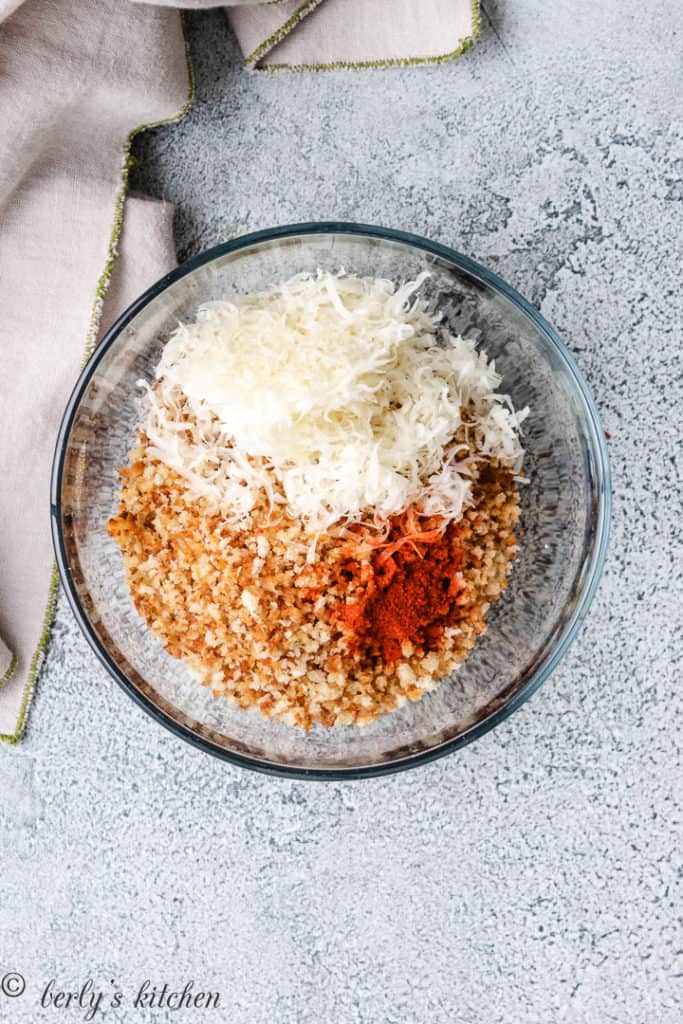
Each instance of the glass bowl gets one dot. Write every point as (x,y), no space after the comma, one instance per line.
(565,505)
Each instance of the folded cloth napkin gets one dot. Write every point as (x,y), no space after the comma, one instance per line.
(78,81)
(353,33)
(347,33)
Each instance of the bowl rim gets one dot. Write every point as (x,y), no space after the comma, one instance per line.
(602,486)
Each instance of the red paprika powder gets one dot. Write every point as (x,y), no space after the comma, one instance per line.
(413,593)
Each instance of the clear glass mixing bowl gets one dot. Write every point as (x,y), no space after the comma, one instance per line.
(565,505)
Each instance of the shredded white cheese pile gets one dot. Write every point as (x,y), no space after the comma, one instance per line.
(335,394)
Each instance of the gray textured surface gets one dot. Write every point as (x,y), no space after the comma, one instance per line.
(532,877)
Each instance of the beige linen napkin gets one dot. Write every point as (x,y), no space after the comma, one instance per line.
(77,82)
(353,33)
(347,33)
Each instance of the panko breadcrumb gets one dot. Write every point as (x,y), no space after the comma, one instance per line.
(254,617)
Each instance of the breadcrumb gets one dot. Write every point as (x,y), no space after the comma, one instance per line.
(253,617)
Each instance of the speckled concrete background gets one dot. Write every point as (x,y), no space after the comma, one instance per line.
(530,878)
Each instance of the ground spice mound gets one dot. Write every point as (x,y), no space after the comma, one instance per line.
(413,594)
(341,640)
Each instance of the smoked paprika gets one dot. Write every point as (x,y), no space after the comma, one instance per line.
(413,593)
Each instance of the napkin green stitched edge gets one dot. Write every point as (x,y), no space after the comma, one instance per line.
(10,671)
(279,34)
(309,5)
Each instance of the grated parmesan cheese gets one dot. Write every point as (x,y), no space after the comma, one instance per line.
(334,395)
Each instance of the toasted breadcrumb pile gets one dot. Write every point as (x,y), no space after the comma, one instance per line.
(256,620)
